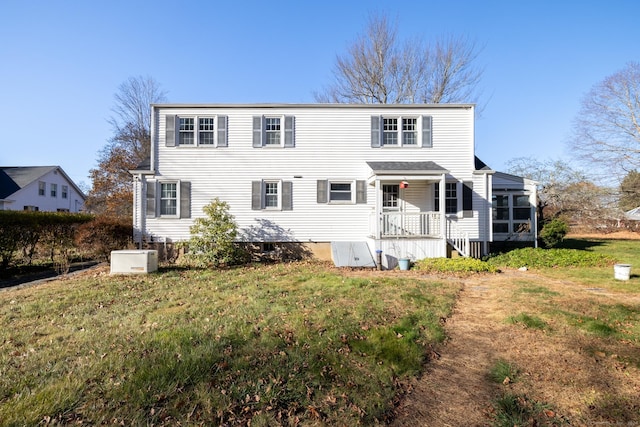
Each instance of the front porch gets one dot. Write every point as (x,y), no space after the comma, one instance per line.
(409,220)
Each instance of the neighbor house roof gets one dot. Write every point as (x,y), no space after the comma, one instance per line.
(14,178)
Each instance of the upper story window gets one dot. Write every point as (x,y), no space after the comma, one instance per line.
(206,129)
(273,131)
(196,131)
(42,188)
(186,131)
(399,131)
(65,191)
(410,131)
(390,131)
(54,190)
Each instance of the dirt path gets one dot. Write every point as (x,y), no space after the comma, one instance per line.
(584,380)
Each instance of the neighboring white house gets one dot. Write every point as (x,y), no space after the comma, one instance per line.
(401,179)
(39,188)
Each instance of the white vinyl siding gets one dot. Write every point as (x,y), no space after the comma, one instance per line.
(331,144)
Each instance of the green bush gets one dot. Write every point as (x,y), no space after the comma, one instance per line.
(548,258)
(212,242)
(553,232)
(454,265)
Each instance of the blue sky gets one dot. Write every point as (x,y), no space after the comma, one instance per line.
(61,63)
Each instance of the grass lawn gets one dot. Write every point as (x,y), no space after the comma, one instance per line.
(270,344)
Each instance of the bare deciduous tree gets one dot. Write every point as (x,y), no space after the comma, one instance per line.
(606,132)
(379,69)
(111,191)
(564,191)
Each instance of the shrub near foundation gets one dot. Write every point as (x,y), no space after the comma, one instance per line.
(454,265)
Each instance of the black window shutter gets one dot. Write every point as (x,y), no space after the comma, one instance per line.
(436,197)
(257,131)
(361,191)
(256,195)
(467,199)
(170,130)
(151,199)
(427,137)
(322,194)
(289,134)
(222,131)
(185,199)
(375,131)
(287,196)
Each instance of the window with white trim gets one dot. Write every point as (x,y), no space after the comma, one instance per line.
(42,188)
(272,131)
(401,131)
(340,192)
(65,191)
(271,194)
(168,198)
(196,131)
(206,130)
(54,190)
(186,131)
(409,131)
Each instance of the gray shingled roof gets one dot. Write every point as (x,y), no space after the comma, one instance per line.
(404,167)
(15,178)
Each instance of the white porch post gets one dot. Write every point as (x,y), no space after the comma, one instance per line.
(443,213)
(378,209)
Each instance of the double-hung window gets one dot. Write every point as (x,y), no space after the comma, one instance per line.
(409,131)
(401,131)
(206,129)
(273,131)
(65,192)
(272,194)
(196,131)
(390,131)
(186,131)
(168,198)
(54,190)
(42,188)
(451,197)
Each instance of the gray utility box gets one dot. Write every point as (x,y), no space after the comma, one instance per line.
(134,261)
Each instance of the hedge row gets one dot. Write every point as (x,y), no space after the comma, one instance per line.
(59,234)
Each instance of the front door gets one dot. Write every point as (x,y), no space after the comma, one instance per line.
(392,210)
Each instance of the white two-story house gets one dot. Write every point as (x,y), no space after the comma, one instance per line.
(347,181)
(39,188)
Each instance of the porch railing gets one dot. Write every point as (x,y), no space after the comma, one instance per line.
(423,224)
(410,224)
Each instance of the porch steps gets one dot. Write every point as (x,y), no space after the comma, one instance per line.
(352,254)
